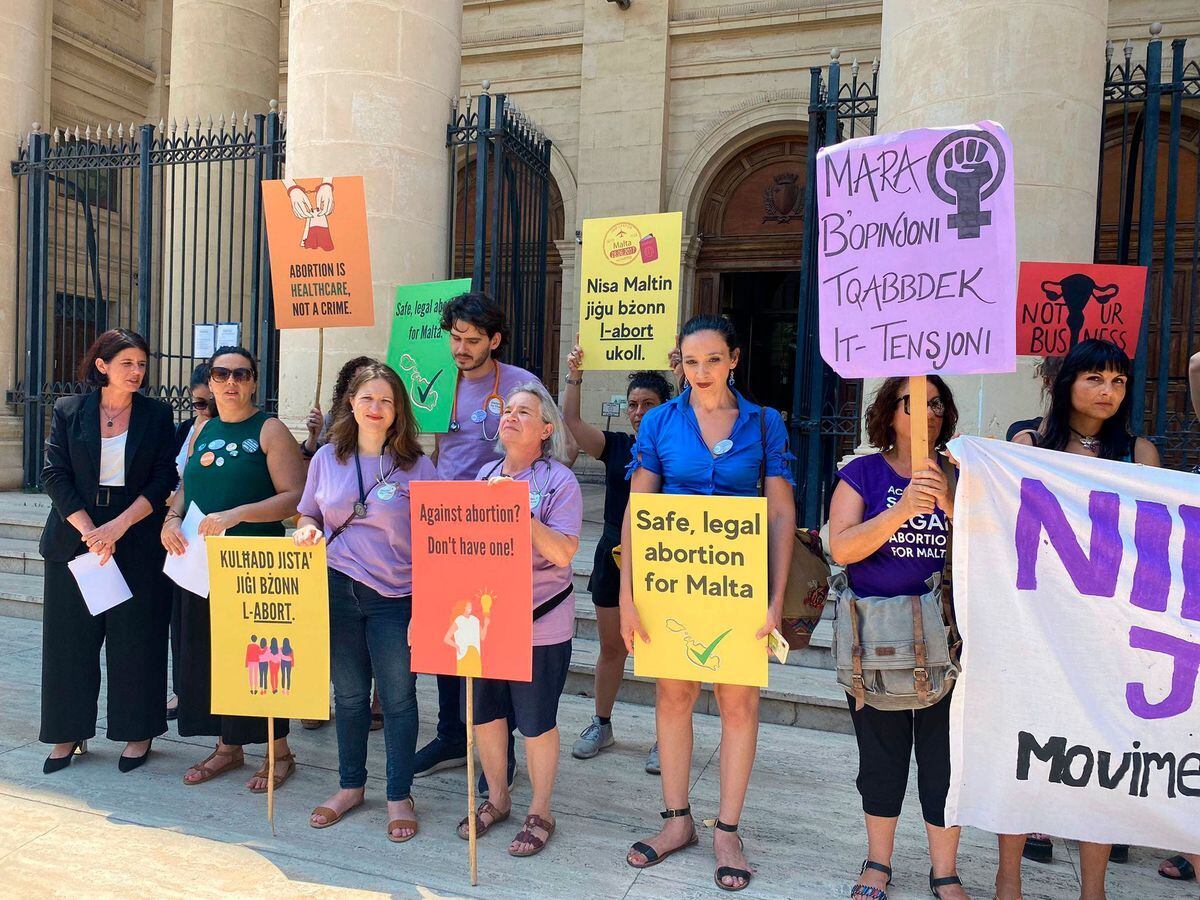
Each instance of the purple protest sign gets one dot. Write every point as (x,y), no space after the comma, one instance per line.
(916,245)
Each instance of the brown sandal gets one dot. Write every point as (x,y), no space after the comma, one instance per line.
(404,823)
(331,817)
(484,809)
(236,758)
(525,836)
(288,761)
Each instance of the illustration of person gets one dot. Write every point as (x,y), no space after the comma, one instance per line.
(287,659)
(274,657)
(263,662)
(466,634)
(315,212)
(252,663)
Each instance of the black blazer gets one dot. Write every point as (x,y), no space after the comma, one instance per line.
(71,476)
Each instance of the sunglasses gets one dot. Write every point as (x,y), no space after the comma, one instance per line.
(936,406)
(220,374)
(200,403)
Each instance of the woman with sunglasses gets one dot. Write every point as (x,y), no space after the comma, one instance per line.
(356,499)
(1088,416)
(888,523)
(245,473)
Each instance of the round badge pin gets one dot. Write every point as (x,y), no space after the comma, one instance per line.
(249,445)
(360,509)
(535,500)
(478,416)
(220,462)
(233,453)
(217,444)
(454,427)
(386,492)
(495,407)
(722,447)
(231,446)
(207,458)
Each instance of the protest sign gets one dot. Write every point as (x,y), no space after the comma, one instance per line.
(629,290)
(700,587)
(320,257)
(916,253)
(1061,304)
(419,350)
(473,570)
(1077,590)
(269,602)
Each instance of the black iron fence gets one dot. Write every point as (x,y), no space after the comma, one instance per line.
(1147,214)
(499,172)
(150,228)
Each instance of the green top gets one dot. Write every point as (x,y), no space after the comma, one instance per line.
(228,468)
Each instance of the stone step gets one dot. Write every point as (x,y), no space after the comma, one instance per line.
(19,557)
(802,696)
(21,596)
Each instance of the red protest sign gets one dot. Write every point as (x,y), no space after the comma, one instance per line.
(1061,304)
(472,579)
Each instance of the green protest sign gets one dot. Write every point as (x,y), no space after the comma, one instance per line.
(419,350)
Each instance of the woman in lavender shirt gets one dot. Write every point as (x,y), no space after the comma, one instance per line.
(357,499)
(532,437)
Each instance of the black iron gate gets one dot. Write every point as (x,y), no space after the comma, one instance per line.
(826,409)
(147,228)
(499,171)
(1147,214)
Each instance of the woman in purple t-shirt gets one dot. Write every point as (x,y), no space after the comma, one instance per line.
(533,440)
(889,523)
(356,498)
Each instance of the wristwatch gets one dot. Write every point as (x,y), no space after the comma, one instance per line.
(575,381)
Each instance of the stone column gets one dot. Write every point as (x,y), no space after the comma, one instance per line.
(22,83)
(370,83)
(224,57)
(949,62)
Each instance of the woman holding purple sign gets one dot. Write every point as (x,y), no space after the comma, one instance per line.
(889,521)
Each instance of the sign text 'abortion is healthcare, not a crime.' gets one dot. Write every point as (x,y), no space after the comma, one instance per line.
(473,570)
(700,587)
(1077,590)
(916,249)
(269,605)
(629,290)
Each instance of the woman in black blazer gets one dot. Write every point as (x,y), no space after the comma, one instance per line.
(109,469)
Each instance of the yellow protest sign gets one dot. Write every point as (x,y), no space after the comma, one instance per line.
(700,587)
(269,605)
(629,290)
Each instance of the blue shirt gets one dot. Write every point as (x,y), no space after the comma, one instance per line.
(670,445)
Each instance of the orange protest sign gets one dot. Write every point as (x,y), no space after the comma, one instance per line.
(320,257)
(473,579)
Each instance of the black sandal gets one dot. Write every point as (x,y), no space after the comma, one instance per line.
(1038,849)
(1182,865)
(730,871)
(935,883)
(653,857)
(868,891)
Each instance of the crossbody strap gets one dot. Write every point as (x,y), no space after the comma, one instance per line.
(920,673)
(856,654)
(553,602)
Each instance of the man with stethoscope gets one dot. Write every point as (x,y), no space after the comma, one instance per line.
(477,330)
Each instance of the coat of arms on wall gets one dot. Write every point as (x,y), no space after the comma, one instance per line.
(783,199)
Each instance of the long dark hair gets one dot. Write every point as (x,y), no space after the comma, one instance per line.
(106,347)
(401,440)
(1092,355)
(882,411)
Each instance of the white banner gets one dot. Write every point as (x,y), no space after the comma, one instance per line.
(1077,589)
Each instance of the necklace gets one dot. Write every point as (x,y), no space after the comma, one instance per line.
(110,417)
(1089,444)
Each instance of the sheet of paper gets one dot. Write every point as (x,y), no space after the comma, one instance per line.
(203,339)
(190,571)
(229,334)
(102,586)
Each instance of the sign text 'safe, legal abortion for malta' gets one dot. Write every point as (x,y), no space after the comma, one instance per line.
(1077,588)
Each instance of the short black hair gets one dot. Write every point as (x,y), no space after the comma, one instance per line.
(106,347)
(478,309)
(650,381)
(199,376)
(240,351)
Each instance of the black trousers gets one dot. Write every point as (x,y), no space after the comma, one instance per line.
(176,604)
(886,741)
(195,683)
(134,635)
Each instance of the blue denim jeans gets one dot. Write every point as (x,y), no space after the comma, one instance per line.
(368,634)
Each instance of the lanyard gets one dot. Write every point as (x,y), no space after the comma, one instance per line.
(536,491)
(494,395)
(360,505)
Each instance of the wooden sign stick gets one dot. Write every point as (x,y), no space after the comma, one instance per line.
(471,780)
(271,772)
(918,405)
(320,363)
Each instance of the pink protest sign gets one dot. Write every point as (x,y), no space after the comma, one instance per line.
(916,246)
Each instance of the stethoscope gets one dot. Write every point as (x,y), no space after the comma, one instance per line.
(536,491)
(493,404)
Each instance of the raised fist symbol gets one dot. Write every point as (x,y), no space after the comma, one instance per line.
(962,162)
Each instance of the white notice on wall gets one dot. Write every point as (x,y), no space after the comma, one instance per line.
(204,336)
(229,334)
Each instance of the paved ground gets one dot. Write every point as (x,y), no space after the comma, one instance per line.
(91,831)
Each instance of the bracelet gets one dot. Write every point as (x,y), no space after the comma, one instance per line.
(296,187)
(575,381)
(323,183)
(171,514)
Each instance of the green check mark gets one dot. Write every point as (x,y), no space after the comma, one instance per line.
(702,658)
(423,394)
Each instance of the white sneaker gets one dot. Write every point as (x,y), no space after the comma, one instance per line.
(652,761)
(593,739)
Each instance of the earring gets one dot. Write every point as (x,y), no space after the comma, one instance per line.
(731,377)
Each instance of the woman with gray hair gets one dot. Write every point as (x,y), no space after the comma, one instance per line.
(532,441)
